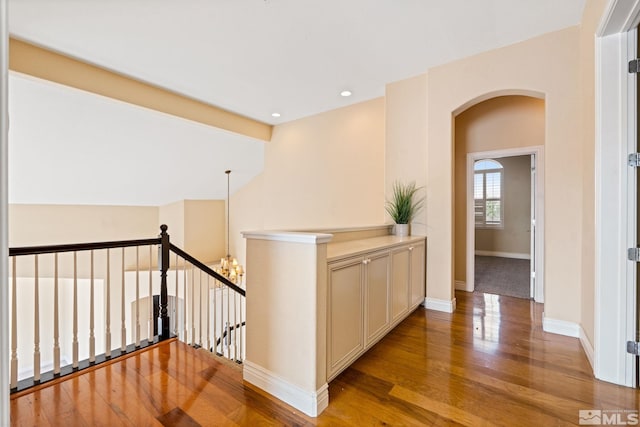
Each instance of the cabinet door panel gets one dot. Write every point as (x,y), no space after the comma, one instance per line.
(346,334)
(417,274)
(377,296)
(399,283)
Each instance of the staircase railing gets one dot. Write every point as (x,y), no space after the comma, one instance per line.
(213,326)
(74,306)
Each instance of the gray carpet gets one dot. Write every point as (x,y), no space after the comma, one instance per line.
(502,276)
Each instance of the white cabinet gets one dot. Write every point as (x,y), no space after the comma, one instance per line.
(368,294)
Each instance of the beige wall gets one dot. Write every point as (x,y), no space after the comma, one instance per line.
(515,236)
(591,17)
(197,226)
(495,124)
(56,224)
(173,216)
(546,66)
(246,208)
(204,226)
(323,171)
(406,138)
(293,351)
(329,170)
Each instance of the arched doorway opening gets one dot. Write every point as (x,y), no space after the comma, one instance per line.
(508,130)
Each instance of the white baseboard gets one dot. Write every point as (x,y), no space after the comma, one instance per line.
(503,254)
(587,346)
(309,402)
(440,304)
(560,327)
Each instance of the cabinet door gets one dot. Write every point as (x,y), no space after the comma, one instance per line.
(377,319)
(345,339)
(418,263)
(399,282)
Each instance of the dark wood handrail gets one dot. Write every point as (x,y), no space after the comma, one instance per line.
(206,269)
(77,247)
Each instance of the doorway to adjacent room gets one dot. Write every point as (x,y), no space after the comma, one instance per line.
(503,216)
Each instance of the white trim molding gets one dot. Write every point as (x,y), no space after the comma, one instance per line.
(586,346)
(615,216)
(447,306)
(311,403)
(512,255)
(4,202)
(560,327)
(569,329)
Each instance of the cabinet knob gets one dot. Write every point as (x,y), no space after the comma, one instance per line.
(410,248)
(366,260)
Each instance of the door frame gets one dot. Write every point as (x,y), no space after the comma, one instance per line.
(4,209)
(615,193)
(538,152)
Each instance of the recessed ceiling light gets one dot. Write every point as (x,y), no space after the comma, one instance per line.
(275,114)
(345,93)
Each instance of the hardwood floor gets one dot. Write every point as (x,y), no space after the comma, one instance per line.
(487,364)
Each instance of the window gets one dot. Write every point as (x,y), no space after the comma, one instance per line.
(487,193)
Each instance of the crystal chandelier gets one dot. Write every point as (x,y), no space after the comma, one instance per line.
(229,266)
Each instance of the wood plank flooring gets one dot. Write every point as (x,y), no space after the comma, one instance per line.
(489,363)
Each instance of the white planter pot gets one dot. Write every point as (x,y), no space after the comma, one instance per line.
(401,230)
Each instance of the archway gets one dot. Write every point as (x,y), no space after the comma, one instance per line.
(501,125)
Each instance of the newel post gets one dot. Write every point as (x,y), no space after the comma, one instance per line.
(163,321)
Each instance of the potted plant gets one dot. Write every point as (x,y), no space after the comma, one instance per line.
(402,207)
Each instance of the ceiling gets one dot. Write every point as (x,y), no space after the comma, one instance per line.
(257,57)
(253,57)
(68,146)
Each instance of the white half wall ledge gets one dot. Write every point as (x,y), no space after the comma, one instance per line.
(446,306)
(560,327)
(288,236)
(312,403)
